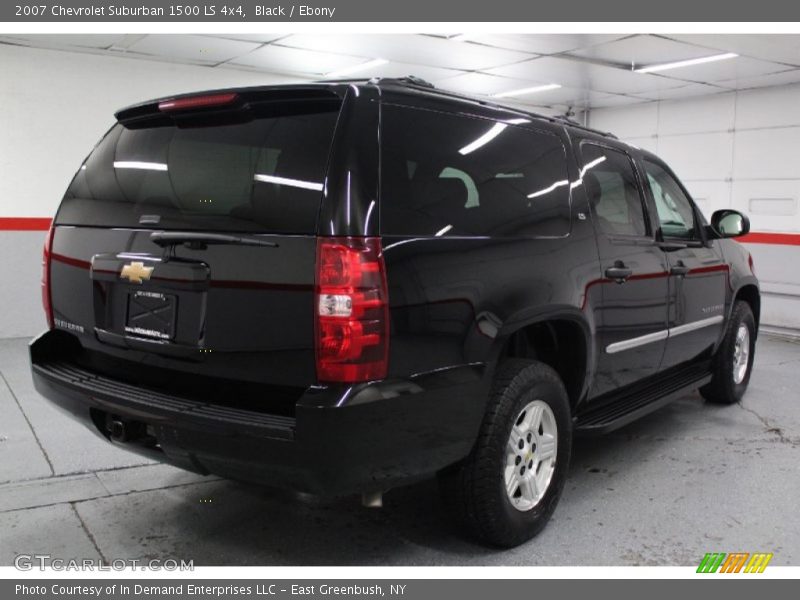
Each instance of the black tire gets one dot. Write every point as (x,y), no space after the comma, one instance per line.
(474,490)
(723,388)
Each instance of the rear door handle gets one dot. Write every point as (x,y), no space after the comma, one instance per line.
(619,272)
(679,269)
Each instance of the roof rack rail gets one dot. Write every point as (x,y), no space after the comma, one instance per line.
(421,83)
(567,119)
(573,123)
(407,80)
(343,80)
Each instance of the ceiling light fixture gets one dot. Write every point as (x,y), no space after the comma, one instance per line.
(592,164)
(298,183)
(530,90)
(356,68)
(549,189)
(443,230)
(138,164)
(487,137)
(686,63)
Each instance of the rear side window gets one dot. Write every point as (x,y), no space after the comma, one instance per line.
(449,175)
(263,175)
(613,193)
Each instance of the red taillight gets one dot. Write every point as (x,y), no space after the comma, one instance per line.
(207,101)
(352,310)
(46,253)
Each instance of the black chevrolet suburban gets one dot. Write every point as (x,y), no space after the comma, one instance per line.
(345,287)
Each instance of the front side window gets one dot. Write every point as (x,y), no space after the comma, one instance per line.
(675,213)
(450,175)
(613,193)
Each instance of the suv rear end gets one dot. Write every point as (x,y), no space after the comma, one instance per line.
(217,297)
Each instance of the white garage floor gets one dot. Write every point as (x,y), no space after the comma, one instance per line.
(689,479)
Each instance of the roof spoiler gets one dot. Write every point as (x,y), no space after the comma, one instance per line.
(215,103)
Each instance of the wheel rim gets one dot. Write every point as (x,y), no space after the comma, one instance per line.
(741,353)
(530,455)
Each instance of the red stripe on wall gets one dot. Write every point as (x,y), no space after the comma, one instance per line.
(782,239)
(756,237)
(24,223)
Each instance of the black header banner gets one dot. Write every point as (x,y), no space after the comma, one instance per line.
(454,11)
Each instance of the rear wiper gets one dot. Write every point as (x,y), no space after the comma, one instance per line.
(199,240)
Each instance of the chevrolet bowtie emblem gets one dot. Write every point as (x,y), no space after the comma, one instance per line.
(136,272)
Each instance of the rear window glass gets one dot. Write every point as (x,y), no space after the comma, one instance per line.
(262,175)
(449,175)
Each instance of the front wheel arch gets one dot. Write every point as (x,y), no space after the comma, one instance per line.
(749,293)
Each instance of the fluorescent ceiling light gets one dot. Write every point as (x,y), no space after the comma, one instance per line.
(487,137)
(530,90)
(586,167)
(356,68)
(136,164)
(686,63)
(548,189)
(443,230)
(298,183)
(592,164)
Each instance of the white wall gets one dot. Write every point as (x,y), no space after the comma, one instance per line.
(54,106)
(739,150)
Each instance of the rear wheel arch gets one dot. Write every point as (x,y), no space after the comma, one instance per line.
(561,341)
(484,492)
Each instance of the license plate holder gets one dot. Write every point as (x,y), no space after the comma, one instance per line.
(151,315)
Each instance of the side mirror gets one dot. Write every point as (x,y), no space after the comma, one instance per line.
(729,223)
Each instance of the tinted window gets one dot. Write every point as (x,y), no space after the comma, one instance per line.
(262,175)
(610,184)
(675,213)
(451,175)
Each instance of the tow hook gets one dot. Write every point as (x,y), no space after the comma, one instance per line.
(120,430)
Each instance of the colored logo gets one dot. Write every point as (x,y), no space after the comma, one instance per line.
(735,562)
(136,272)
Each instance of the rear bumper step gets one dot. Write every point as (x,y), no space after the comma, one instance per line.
(132,400)
(341,439)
